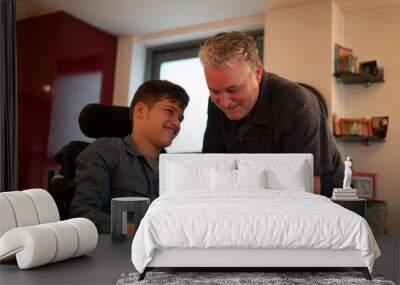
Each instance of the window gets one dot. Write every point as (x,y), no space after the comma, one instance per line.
(180,64)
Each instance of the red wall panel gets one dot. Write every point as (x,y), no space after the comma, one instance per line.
(49,47)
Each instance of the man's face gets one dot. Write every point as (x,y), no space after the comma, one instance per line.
(234,89)
(161,123)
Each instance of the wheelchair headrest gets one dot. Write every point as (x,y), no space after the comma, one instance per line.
(97,120)
(319,96)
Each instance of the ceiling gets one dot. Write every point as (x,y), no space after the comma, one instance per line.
(137,17)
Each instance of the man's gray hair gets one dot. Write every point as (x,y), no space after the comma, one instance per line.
(225,49)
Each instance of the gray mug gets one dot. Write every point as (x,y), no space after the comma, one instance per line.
(123,207)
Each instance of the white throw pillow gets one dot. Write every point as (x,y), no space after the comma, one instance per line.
(292,179)
(235,179)
(185,177)
(251,178)
(223,179)
(280,174)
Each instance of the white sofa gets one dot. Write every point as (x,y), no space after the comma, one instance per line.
(31,231)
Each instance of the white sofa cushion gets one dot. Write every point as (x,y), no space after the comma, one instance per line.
(26,208)
(87,235)
(45,206)
(66,237)
(24,211)
(40,244)
(34,244)
(7,220)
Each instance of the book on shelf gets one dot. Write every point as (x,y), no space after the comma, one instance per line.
(341,190)
(345,194)
(345,61)
(335,197)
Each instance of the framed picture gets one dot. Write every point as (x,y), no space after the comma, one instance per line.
(355,127)
(365,183)
(379,126)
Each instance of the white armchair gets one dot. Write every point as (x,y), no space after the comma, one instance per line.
(31,230)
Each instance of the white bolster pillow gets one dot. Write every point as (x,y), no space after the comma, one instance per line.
(26,208)
(40,244)
(87,235)
(22,207)
(7,218)
(45,205)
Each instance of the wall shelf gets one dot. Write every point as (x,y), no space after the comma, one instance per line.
(358,78)
(363,139)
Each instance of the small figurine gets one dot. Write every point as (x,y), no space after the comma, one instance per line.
(347,173)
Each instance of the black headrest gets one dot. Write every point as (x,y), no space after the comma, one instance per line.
(67,155)
(318,95)
(97,120)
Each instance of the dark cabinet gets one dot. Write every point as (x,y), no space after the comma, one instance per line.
(357,206)
(62,64)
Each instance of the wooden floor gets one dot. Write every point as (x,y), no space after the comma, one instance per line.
(389,262)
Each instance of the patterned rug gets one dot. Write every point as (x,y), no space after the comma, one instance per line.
(243,278)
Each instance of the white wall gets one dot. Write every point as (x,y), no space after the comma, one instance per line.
(338,91)
(376,35)
(297,45)
(123,70)
(21,10)
(134,49)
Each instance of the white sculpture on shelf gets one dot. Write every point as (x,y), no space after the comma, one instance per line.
(346,193)
(347,173)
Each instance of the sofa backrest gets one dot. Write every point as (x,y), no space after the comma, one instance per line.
(26,208)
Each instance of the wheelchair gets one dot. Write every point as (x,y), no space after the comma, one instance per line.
(95,121)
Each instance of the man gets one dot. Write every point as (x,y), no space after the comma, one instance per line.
(118,167)
(252,111)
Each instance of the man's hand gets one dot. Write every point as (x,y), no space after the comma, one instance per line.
(317,185)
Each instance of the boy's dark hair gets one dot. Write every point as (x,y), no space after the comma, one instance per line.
(153,91)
